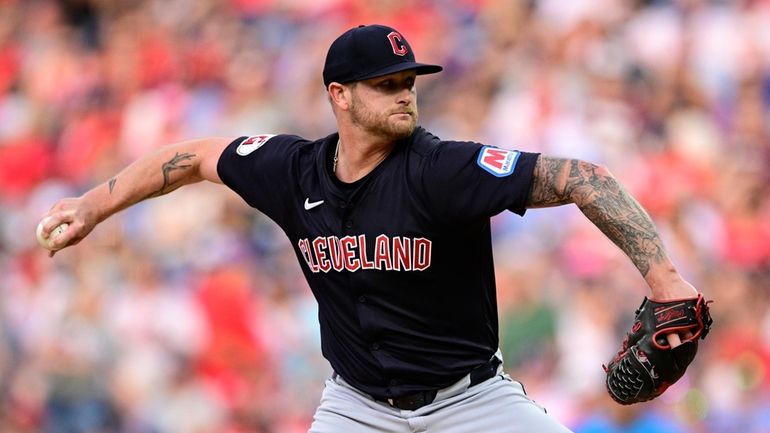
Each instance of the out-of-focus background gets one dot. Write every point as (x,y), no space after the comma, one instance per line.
(188,313)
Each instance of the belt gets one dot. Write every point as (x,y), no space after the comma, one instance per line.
(419,399)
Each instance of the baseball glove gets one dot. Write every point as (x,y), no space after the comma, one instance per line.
(646,364)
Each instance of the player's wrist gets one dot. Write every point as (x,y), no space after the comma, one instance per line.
(94,206)
(676,290)
(666,283)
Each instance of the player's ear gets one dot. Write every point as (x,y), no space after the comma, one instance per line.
(339,95)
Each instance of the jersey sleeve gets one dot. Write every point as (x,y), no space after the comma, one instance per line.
(258,168)
(465,180)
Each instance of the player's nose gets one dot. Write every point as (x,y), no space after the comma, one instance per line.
(405,96)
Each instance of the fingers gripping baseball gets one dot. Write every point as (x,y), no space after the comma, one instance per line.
(66,224)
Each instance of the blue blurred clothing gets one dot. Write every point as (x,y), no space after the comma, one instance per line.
(647,422)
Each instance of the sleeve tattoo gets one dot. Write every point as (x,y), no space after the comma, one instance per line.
(604,201)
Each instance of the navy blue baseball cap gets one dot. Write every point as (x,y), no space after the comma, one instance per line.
(371,51)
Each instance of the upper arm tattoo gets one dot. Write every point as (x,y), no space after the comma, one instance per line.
(603,200)
(548,182)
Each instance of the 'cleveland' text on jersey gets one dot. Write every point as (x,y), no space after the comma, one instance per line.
(324,254)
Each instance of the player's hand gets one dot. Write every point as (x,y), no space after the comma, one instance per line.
(77,213)
(679,290)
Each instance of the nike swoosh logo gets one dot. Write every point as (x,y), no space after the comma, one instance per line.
(309,205)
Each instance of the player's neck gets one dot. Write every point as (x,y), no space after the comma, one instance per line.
(357,155)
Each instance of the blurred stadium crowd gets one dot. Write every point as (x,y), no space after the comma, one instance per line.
(188,313)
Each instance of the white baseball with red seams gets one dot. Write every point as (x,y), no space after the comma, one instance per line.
(45,242)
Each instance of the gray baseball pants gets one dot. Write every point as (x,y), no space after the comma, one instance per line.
(498,405)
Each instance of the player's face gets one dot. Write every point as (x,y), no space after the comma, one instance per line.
(386,106)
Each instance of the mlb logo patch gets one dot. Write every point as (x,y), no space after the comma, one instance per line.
(250,144)
(498,162)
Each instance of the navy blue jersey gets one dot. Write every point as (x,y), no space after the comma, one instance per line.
(400,261)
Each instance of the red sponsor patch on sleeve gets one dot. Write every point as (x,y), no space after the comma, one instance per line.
(498,162)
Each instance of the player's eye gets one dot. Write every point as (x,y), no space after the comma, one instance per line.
(395,86)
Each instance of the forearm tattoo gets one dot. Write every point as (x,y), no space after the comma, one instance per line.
(604,201)
(112,183)
(175,163)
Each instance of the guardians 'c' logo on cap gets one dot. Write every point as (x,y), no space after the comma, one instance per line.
(396,41)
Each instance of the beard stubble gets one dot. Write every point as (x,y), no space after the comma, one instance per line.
(379,124)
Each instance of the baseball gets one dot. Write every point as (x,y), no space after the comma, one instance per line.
(45,242)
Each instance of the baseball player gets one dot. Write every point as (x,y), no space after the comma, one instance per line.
(391,227)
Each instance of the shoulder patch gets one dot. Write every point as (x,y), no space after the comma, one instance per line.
(498,162)
(250,144)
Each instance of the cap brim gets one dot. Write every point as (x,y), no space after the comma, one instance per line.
(420,68)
